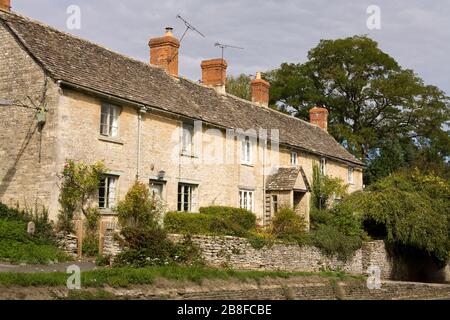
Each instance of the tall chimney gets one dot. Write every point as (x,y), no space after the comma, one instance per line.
(319,117)
(214,73)
(260,90)
(5,5)
(164,52)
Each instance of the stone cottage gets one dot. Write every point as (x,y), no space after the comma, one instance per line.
(62,97)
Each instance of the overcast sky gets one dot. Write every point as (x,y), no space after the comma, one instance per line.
(416,33)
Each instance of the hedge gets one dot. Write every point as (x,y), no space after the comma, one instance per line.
(212,221)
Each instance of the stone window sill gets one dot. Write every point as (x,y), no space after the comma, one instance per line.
(250,165)
(107,212)
(111,140)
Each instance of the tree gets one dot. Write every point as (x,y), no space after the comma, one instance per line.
(371,99)
(78,189)
(239,86)
(409,210)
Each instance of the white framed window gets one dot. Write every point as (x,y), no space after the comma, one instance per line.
(323,166)
(187,198)
(187,139)
(350,177)
(274,204)
(109,120)
(247,151)
(107,192)
(157,189)
(246,199)
(294,160)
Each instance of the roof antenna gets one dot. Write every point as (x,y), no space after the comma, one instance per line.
(188,27)
(226,46)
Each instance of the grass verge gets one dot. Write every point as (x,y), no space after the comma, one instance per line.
(124,277)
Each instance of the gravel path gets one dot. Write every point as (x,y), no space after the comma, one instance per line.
(57,267)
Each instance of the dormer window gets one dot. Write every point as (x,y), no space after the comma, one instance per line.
(109,120)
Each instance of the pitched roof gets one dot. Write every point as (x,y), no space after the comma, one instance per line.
(286,179)
(80,62)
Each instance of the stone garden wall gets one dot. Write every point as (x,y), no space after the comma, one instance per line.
(238,253)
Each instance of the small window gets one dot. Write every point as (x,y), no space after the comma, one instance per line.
(246,199)
(323,166)
(294,159)
(247,152)
(188,139)
(187,197)
(156,190)
(274,204)
(107,192)
(350,175)
(109,120)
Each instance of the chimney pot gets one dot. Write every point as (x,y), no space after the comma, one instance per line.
(164,52)
(319,116)
(214,73)
(260,90)
(5,5)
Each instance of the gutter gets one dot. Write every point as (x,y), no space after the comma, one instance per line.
(179,115)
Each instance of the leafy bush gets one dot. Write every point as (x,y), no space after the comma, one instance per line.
(331,241)
(410,209)
(288,225)
(244,218)
(145,241)
(138,209)
(212,221)
(324,188)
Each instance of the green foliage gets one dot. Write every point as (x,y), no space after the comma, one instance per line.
(325,188)
(372,101)
(124,277)
(288,225)
(145,241)
(17,246)
(412,210)
(244,218)
(239,86)
(138,209)
(331,241)
(212,221)
(78,188)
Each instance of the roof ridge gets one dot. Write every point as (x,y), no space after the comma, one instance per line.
(54,29)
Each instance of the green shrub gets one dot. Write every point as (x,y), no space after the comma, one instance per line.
(242,217)
(331,241)
(288,225)
(212,221)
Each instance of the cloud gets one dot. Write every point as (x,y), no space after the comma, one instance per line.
(414,32)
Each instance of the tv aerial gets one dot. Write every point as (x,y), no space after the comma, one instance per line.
(226,46)
(188,27)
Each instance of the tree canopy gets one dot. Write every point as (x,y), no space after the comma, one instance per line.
(377,108)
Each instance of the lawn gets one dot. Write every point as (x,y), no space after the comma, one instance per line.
(124,277)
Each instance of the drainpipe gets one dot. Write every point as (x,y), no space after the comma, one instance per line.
(140,111)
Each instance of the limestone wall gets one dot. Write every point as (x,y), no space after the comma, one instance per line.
(238,253)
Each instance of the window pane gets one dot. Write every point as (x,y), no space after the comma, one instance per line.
(111,192)
(104,122)
(101,194)
(180,197)
(114,128)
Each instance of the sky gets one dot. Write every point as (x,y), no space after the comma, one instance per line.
(416,33)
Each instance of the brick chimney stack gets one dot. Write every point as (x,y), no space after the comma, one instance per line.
(164,52)
(5,5)
(319,117)
(260,90)
(214,74)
